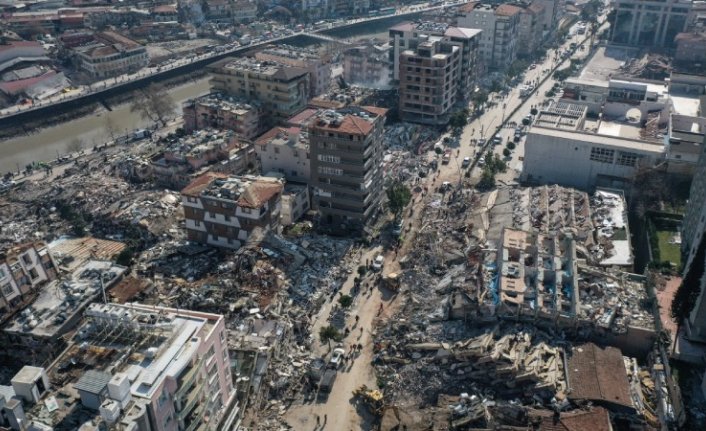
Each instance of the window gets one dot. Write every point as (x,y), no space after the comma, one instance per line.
(329,158)
(7,289)
(246,210)
(214,237)
(602,155)
(26,259)
(627,159)
(197,222)
(330,171)
(226,217)
(33,273)
(2,273)
(276,150)
(190,199)
(223,336)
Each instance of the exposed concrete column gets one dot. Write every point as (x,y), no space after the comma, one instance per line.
(667,16)
(659,30)
(639,29)
(632,28)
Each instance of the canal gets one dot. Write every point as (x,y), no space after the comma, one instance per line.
(49,142)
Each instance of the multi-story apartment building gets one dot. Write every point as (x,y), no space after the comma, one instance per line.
(649,22)
(281,90)
(225,211)
(500,26)
(110,54)
(428,81)
(407,36)
(243,10)
(24,269)
(167,370)
(346,173)
(316,63)
(285,150)
(694,249)
(530,29)
(221,111)
(368,64)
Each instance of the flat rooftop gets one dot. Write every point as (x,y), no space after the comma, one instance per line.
(631,144)
(225,102)
(607,62)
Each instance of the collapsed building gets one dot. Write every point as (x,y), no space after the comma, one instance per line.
(220,111)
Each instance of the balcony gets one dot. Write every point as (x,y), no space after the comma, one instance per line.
(191,401)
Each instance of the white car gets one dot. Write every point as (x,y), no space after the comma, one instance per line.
(336,358)
(466,162)
(378,262)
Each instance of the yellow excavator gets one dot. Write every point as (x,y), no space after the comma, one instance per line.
(373,398)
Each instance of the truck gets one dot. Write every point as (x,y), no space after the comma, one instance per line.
(446,157)
(327,381)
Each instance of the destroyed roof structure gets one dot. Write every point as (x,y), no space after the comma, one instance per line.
(598,374)
(221,111)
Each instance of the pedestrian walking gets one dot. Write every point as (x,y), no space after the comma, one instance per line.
(325,419)
(318,420)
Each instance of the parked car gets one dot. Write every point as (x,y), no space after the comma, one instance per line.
(446,157)
(336,358)
(378,262)
(466,162)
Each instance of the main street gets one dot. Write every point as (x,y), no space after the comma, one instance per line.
(339,411)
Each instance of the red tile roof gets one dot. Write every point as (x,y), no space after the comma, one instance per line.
(598,374)
(507,10)
(258,193)
(596,419)
(201,183)
(270,134)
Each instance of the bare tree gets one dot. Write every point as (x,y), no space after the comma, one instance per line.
(110,128)
(75,145)
(156,104)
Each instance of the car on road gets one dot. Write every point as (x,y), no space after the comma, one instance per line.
(532,66)
(481,161)
(446,158)
(336,358)
(466,162)
(497,140)
(378,262)
(326,382)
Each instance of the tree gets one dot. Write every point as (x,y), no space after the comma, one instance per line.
(487,180)
(156,105)
(510,145)
(328,333)
(534,111)
(525,121)
(506,152)
(459,119)
(75,145)
(398,196)
(110,128)
(479,99)
(561,75)
(345,301)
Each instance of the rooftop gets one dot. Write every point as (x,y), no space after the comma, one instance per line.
(626,143)
(225,102)
(292,52)
(352,119)
(436,29)
(562,115)
(598,374)
(267,68)
(58,302)
(200,142)
(248,191)
(292,136)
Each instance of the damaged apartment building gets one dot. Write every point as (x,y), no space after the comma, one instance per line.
(227,211)
(220,111)
(134,367)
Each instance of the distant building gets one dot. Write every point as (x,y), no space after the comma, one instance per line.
(316,63)
(530,31)
(285,150)
(407,35)
(295,203)
(428,77)
(500,25)
(658,27)
(160,369)
(368,65)
(282,90)
(189,157)
(23,271)
(243,11)
(18,53)
(227,211)
(691,48)
(109,54)
(346,174)
(585,155)
(220,111)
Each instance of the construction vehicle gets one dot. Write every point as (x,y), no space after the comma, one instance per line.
(373,398)
(391,281)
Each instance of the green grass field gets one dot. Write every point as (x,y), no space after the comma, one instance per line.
(667,250)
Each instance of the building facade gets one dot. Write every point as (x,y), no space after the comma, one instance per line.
(220,111)
(226,211)
(368,64)
(316,63)
(690,48)
(110,54)
(428,82)
(23,270)
(406,36)
(281,90)
(649,22)
(500,28)
(346,174)
(530,29)
(285,151)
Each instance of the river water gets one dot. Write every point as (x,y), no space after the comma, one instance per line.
(49,142)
